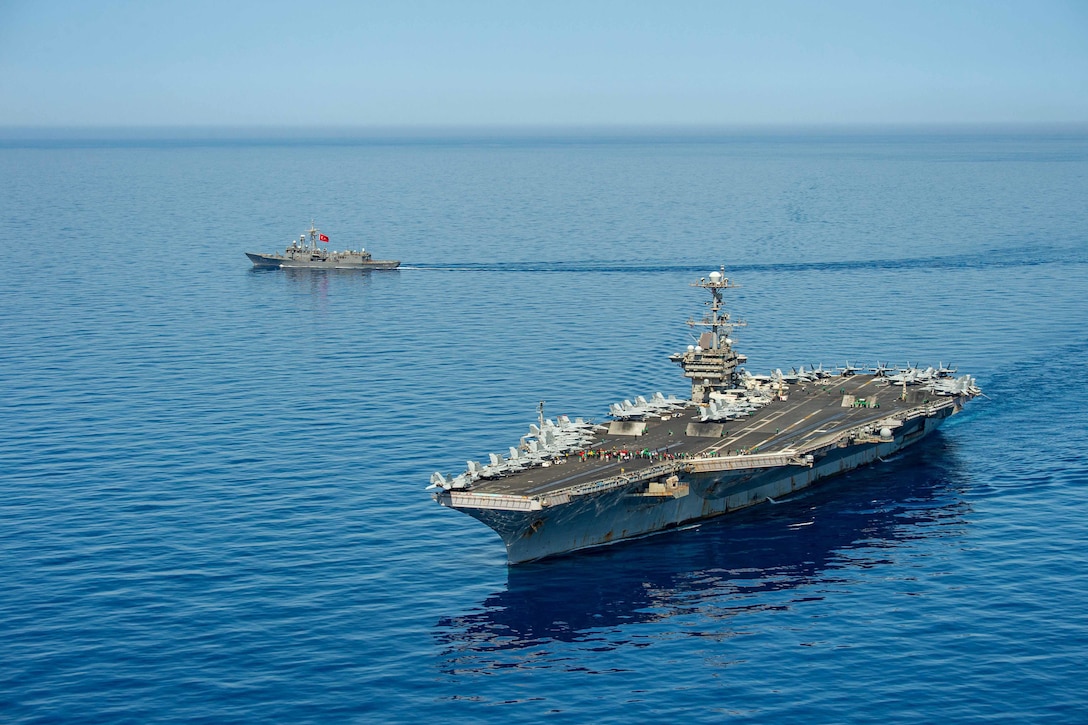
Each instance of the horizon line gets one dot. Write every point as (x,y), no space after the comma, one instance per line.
(424,130)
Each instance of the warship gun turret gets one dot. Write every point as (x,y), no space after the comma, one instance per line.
(660,462)
(308,252)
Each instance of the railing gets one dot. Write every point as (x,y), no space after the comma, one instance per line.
(497,501)
(740,463)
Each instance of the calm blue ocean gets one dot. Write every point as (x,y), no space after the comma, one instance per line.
(211,478)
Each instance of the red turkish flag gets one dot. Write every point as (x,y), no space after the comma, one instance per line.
(322,237)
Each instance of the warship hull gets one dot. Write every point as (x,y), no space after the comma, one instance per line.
(628,512)
(739,441)
(310,252)
(276,261)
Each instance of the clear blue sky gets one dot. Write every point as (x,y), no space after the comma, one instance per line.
(421,62)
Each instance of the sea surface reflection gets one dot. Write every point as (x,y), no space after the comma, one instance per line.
(740,563)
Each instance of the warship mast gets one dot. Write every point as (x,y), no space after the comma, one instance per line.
(711,364)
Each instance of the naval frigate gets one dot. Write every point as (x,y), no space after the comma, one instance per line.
(308,252)
(658,463)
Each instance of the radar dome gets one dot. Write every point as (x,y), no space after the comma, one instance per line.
(691,348)
(715,277)
(698,348)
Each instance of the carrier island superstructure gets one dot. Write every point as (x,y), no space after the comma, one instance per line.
(738,441)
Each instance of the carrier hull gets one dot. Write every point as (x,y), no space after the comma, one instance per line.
(627,513)
(662,463)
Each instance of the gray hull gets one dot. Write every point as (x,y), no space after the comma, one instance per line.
(276,261)
(626,513)
(661,463)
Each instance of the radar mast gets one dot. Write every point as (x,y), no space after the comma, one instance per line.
(711,364)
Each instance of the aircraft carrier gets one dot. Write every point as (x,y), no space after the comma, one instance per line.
(658,463)
(308,253)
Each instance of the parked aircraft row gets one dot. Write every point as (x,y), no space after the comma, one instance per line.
(542,444)
(795,375)
(910,374)
(721,410)
(658,404)
(954,386)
